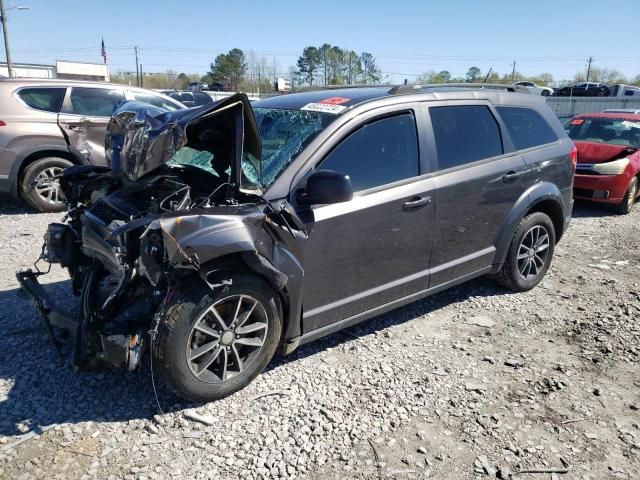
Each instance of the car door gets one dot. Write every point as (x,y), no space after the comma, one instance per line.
(374,249)
(477,183)
(84,117)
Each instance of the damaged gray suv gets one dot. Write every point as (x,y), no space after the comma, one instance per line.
(223,233)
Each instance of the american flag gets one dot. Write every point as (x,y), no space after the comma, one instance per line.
(103,52)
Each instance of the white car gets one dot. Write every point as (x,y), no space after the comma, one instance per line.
(537,89)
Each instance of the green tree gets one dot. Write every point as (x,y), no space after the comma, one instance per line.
(445,76)
(473,74)
(603,75)
(229,68)
(543,79)
(370,71)
(308,64)
(325,51)
(183,81)
(492,77)
(336,67)
(353,67)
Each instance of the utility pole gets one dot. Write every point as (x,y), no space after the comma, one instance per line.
(513,72)
(137,68)
(589,67)
(141,78)
(3,18)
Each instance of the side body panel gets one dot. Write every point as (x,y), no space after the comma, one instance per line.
(472,202)
(366,252)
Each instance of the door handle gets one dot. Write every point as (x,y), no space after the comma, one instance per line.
(511,176)
(78,125)
(416,202)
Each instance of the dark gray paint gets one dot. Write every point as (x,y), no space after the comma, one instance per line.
(362,257)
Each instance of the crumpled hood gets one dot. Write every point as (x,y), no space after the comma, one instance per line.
(140,137)
(593,152)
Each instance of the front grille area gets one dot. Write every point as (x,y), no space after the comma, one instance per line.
(105,213)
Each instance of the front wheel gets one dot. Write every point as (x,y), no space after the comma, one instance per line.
(530,253)
(629,199)
(545,93)
(214,342)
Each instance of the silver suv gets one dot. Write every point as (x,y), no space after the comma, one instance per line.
(48,125)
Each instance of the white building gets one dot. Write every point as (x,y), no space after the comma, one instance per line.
(29,70)
(98,72)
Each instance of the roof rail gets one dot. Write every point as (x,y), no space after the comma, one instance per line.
(399,89)
(340,87)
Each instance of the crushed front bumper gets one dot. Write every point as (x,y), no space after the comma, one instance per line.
(115,350)
(52,314)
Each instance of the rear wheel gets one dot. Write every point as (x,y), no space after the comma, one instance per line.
(629,199)
(530,253)
(214,342)
(39,186)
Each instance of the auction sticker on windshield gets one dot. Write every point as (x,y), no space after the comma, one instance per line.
(323,107)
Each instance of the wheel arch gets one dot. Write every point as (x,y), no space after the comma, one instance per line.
(31,155)
(543,197)
(214,271)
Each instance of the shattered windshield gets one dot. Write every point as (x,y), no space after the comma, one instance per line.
(197,158)
(284,134)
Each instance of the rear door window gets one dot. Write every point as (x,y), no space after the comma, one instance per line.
(465,134)
(43,98)
(526,127)
(95,102)
(380,152)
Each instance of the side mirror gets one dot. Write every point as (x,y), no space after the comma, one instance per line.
(326,187)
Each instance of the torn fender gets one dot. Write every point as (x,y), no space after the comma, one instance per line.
(195,238)
(198,239)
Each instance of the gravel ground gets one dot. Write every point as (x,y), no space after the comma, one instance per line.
(472,383)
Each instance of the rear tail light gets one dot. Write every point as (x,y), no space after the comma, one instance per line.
(573,156)
(3,123)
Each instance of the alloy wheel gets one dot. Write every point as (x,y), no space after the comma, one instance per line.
(533,252)
(226,338)
(631,196)
(47,185)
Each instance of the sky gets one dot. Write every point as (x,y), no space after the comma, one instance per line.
(407,37)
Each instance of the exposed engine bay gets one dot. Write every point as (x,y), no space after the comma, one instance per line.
(176,202)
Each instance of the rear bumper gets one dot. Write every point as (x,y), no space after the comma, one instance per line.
(600,188)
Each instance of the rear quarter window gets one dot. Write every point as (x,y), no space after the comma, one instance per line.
(526,127)
(43,98)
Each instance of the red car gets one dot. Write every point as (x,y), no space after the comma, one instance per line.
(608,168)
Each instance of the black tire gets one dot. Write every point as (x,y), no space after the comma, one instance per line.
(47,197)
(625,206)
(511,275)
(545,93)
(176,338)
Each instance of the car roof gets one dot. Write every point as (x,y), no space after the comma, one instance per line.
(55,81)
(349,97)
(615,116)
(295,101)
(622,110)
